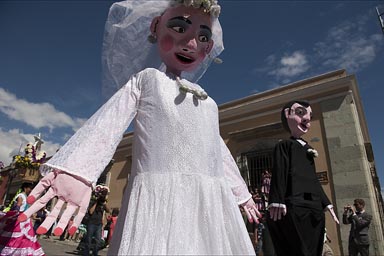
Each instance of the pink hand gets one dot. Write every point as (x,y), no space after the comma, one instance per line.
(250,209)
(75,191)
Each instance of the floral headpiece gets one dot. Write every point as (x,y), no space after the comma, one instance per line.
(209,6)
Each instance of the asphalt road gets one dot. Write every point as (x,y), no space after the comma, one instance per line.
(54,247)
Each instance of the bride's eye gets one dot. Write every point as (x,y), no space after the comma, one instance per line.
(178,29)
(178,25)
(205,36)
(205,33)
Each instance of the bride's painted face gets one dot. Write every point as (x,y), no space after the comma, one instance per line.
(183,37)
(298,118)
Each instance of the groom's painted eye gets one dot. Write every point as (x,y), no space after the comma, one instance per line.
(300,111)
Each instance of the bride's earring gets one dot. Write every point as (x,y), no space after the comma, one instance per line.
(152,39)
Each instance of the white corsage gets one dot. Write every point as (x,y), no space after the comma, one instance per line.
(200,94)
(312,152)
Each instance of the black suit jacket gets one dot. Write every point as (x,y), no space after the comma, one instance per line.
(359,227)
(294,181)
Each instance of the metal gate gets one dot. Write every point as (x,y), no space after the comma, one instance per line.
(253,165)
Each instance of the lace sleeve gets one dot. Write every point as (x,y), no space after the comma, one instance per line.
(91,148)
(232,174)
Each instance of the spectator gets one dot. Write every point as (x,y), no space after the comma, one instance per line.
(259,237)
(327,250)
(112,220)
(266,182)
(360,221)
(95,224)
(65,234)
(69,236)
(16,237)
(38,218)
(257,198)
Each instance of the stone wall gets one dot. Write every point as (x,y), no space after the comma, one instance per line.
(350,167)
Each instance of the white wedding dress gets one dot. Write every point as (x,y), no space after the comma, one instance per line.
(184,187)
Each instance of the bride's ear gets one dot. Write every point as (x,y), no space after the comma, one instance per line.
(154,23)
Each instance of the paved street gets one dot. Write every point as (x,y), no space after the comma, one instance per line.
(53,246)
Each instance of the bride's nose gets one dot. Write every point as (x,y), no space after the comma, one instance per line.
(191,45)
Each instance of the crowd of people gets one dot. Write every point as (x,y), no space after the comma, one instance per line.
(21,238)
(97,228)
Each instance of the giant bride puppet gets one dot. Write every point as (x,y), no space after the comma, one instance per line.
(185,187)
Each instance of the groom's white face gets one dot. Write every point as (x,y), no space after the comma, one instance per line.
(298,119)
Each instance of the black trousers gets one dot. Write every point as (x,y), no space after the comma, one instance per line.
(354,249)
(300,232)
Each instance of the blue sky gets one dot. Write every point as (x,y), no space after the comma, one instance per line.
(50,60)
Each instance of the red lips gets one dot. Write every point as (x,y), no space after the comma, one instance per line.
(184,58)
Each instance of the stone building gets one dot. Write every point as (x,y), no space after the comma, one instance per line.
(251,127)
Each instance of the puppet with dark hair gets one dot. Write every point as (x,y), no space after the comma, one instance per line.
(296,199)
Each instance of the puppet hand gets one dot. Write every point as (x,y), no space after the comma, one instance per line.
(276,213)
(75,191)
(332,212)
(250,209)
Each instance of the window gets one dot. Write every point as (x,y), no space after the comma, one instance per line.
(253,164)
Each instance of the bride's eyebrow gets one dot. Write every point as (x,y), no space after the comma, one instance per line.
(182,18)
(190,22)
(206,27)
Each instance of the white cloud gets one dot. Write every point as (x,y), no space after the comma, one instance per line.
(15,140)
(347,46)
(289,65)
(37,115)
